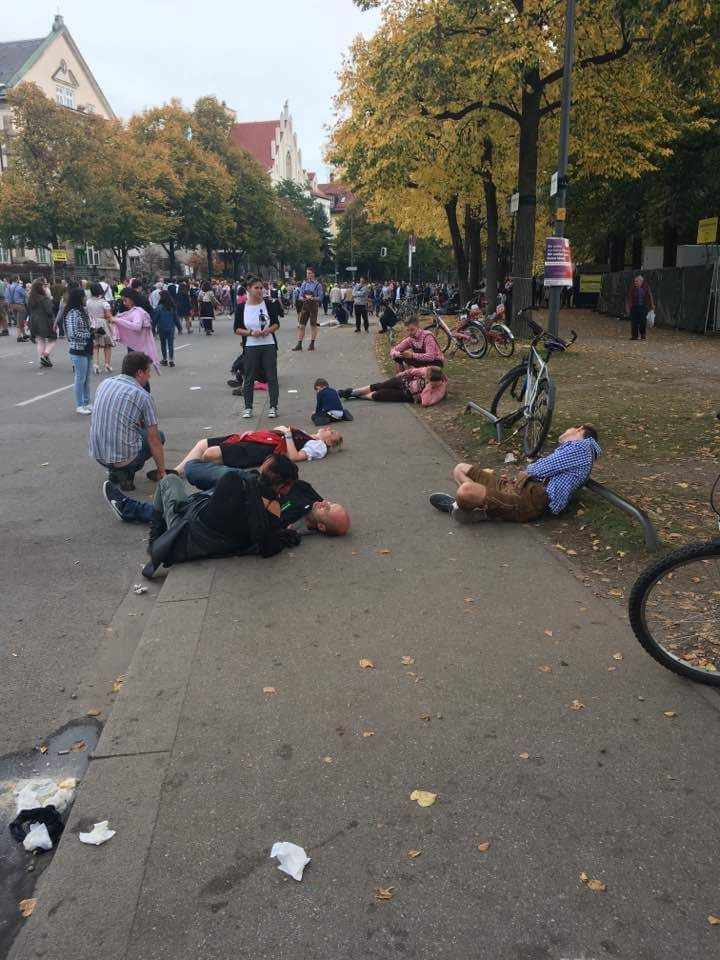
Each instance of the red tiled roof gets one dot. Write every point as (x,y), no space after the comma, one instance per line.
(256,138)
(337,190)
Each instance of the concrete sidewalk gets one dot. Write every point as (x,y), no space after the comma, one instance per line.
(200,771)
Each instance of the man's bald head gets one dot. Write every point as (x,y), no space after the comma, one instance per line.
(332,519)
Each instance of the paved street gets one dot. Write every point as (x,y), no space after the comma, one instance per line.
(200,771)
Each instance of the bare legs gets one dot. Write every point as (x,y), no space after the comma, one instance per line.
(469,493)
(200,451)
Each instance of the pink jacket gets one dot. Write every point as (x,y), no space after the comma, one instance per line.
(423,344)
(424,391)
(134,329)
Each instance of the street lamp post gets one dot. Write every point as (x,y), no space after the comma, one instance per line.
(560,208)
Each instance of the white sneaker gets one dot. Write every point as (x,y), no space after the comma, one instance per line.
(272,413)
(247,413)
(83,410)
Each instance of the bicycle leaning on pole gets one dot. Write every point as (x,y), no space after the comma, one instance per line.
(674,608)
(526,398)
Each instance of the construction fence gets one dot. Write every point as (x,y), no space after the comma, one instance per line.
(681,295)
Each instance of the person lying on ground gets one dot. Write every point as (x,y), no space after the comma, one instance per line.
(423,385)
(547,485)
(240,516)
(328,405)
(418,349)
(278,479)
(249,449)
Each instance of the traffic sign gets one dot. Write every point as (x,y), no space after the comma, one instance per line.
(554,184)
(708,230)
(514,203)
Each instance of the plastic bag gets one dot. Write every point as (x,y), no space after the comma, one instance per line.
(650,319)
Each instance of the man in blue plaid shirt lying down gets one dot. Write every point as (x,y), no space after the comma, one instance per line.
(547,485)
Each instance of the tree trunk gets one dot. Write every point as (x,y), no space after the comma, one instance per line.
(492,220)
(524,252)
(617,251)
(458,250)
(473,249)
(209,262)
(171,257)
(637,252)
(669,244)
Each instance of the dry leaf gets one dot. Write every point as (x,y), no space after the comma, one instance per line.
(384,893)
(43,748)
(407,661)
(78,746)
(26,907)
(423,797)
(327,759)
(484,846)
(366,664)
(669,713)
(545,669)
(683,485)
(548,633)
(596,885)
(118,684)
(617,656)
(524,756)
(269,690)
(469,599)
(615,593)
(414,853)
(93,713)
(368,733)
(425,716)
(577,705)
(713,920)
(384,553)
(572,553)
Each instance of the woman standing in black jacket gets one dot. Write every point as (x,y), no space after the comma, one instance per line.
(256,321)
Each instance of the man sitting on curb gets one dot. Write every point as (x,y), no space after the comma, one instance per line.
(547,484)
(278,480)
(419,348)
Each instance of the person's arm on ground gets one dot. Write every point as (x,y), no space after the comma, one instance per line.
(156,449)
(297,456)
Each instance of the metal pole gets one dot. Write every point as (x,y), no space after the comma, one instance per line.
(555,292)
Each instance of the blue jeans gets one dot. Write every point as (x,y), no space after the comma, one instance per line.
(81,369)
(204,476)
(136,511)
(140,460)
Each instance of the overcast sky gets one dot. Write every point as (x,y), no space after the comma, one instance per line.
(254,54)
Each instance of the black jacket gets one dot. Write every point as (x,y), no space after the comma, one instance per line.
(274,311)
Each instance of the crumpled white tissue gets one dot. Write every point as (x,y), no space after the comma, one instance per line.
(293,858)
(99,834)
(37,838)
(44,793)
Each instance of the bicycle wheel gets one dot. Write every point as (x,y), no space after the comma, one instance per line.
(509,398)
(476,345)
(441,336)
(503,341)
(539,418)
(674,608)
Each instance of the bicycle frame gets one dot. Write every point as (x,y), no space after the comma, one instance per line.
(536,367)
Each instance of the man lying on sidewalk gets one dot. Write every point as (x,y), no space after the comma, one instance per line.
(547,485)
(278,478)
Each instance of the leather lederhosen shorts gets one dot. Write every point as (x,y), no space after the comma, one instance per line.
(518,499)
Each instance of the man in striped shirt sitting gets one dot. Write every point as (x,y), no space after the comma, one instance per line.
(547,485)
(124,430)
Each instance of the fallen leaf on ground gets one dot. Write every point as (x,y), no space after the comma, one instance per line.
(93,713)
(545,669)
(407,661)
(572,553)
(327,759)
(615,593)
(617,656)
(559,546)
(26,907)
(414,853)
(548,633)
(384,553)
(78,746)
(524,756)
(597,885)
(368,733)
(683,485)
(425,716)
(384,893)
(713,920)
(43,748)
(577,705)
(117,684)
(469,599)
(269,690)
(365,663)
(484,846)
(423,797)
(669,713)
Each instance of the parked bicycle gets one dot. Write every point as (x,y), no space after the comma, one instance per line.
(468,336)
(498,334)
(674,608)
(526,398)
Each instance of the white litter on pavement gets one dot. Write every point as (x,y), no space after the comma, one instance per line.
(99,834)
(292,391)
(45,793)
(37,838)
(293,858)
(196,388)
(139,589)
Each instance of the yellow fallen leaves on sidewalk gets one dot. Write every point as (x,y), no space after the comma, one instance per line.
(423,798)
